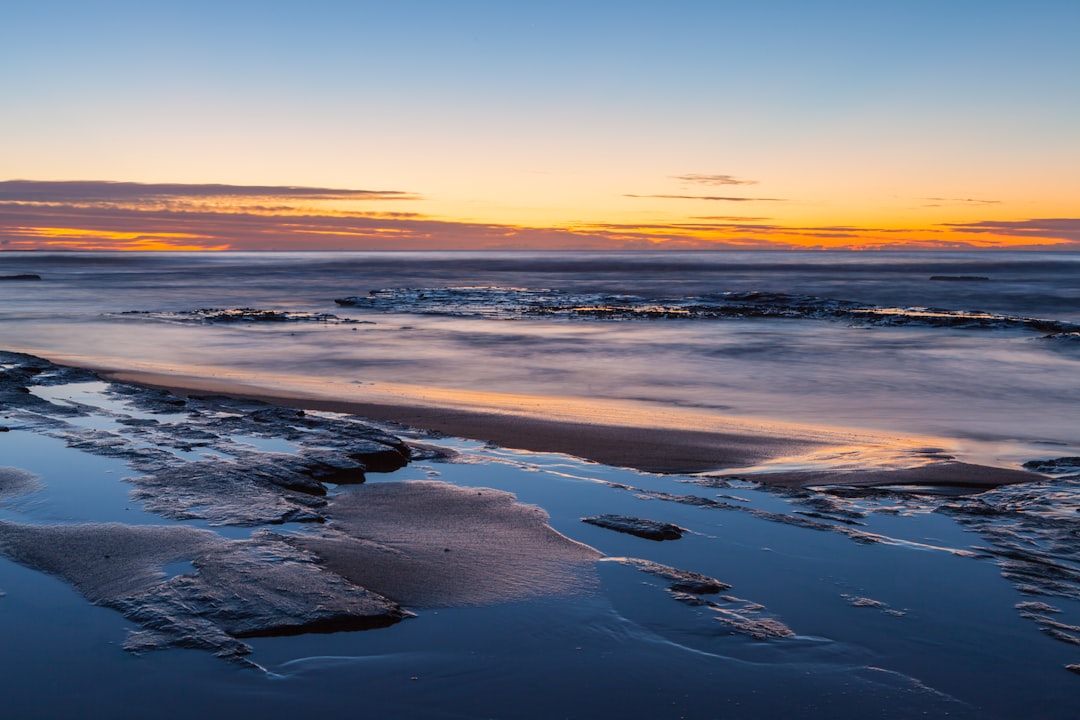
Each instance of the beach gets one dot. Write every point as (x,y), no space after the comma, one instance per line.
(785,505)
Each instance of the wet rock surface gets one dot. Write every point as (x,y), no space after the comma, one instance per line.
(239,588)
(1030,530)
(1062,466)
(243,463)
(648,529)
(737,615)
(232,481)
(21,276)
(682,581)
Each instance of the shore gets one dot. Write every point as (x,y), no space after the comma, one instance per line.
(671,440)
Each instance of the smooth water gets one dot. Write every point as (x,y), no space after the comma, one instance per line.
(897,602)
(989,388)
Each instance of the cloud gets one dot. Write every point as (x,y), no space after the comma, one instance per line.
(949,202)
(730,218)
(99,191)
(716,198)
(699,179)
(134,216)
(1059,229)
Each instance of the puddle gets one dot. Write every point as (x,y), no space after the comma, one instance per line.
(264,444)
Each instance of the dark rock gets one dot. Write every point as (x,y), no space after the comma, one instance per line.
(1055,466)
(960,278)
(684,581)
(377,457)
(241,315)
(505,302)
(248,491)
(241,588)
(648,529)
(419,452)
(21,276)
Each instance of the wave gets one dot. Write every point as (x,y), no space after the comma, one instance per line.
(514,303)
(239,315)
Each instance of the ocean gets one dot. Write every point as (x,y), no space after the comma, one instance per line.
(971,379)
(895,603)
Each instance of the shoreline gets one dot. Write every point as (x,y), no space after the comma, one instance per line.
(651,449)
(615,434)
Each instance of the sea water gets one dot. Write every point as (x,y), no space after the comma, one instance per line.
(996,382)
(900,607)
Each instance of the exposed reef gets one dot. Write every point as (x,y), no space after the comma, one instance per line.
(233,462)
(504,302)
(21,276)
(648,529)
(1058,467)
(681,581)
(247,588)
(737,615)
(242,315)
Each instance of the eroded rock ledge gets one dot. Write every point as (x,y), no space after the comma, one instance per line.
(243,463)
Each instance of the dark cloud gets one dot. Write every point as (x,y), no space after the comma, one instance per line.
(730,218)
(98,191)
(1067,229)
(717,198)
(133,216)
(699,179)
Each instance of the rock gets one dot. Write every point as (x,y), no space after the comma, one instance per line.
(506,302)
(21,276)
(248,491)
(377,457)
(1055,466)
(241,588)
(648,529)
(683,581)
(242,315)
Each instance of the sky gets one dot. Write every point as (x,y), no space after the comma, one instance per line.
(473,124)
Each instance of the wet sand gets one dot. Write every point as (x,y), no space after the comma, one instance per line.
(618,434)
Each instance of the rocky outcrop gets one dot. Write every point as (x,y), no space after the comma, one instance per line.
(648,529)
(238,589)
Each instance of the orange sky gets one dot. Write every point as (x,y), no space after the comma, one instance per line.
(129,216)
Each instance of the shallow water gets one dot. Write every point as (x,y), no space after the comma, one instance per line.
(918,621)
